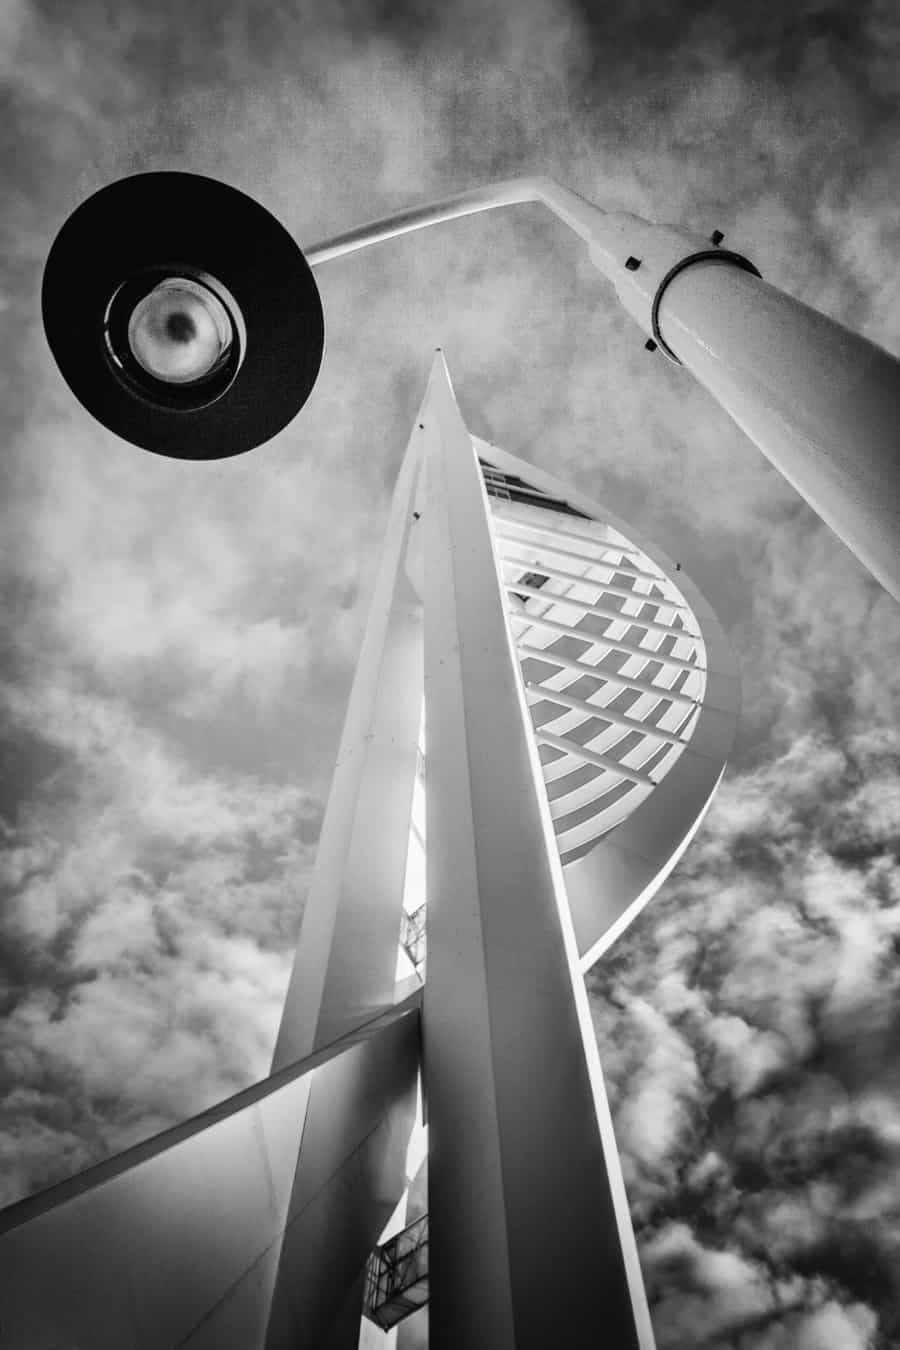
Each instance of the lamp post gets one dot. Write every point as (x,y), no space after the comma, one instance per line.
(820,402)
(186,319)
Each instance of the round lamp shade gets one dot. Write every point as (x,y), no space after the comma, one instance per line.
(182,315)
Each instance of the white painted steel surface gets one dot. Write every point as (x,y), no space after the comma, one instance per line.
(254,1231)
(350,1175)
(619,743)
(176,1243)
(520,1183)
(625,801)
(579,214)
(345,966)
(822,403)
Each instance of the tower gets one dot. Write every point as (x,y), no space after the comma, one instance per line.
(542,710)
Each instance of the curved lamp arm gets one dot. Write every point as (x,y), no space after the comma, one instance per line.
(576,211)
(821,402)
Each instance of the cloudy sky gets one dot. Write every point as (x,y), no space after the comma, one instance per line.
(179,639)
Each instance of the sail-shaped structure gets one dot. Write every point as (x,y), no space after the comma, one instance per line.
(542,710)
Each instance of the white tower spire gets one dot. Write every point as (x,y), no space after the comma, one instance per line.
(579,704)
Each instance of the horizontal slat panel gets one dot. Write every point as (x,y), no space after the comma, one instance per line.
(539,542)
(601,761)
(536,564)
(601,611)
(610,643)
(598,710)
(504,525)
(585,536)
(609,677)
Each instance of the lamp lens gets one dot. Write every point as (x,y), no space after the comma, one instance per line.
(180,331)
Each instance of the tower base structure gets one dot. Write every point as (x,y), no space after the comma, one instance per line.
(542,710)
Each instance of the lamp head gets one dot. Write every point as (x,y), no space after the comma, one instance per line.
(182,315)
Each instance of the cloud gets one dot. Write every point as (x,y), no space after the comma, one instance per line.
(745,1057)
(710,1289)
(771,964)
(148,915)
(661,1072)
(179,640)
(717,1298)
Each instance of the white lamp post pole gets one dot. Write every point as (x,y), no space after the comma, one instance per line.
(821,402)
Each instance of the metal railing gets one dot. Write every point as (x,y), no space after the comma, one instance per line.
(397,1276)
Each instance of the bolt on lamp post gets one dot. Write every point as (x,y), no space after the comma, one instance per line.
(185,318)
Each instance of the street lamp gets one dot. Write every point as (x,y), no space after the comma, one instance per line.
(208,359)
(182,315)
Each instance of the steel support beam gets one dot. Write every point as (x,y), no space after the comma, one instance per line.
(176,1244)
(519,1187)
(346,957)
